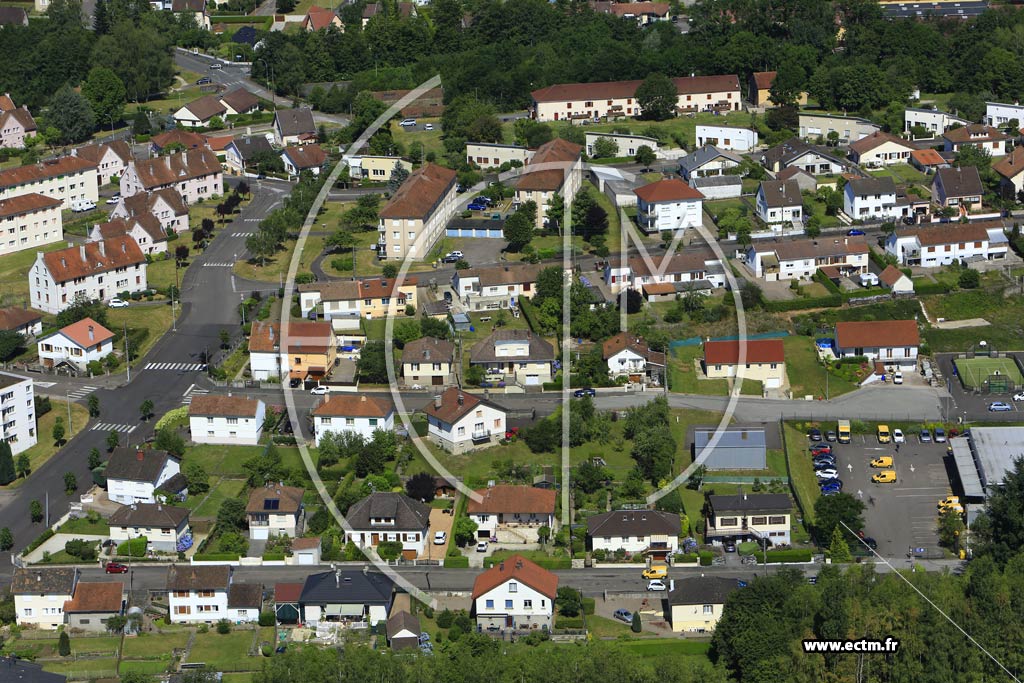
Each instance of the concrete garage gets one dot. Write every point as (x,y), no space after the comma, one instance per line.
(491,228)
(982,458)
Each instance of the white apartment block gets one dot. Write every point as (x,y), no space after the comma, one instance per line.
(733,138)
(18,409)
(932,119)
(626,145)
(416,215)
(197,594)
(97,271)
(999,114)
(196,174)
(29,221)
(68,179)
(670,205)
(934,247)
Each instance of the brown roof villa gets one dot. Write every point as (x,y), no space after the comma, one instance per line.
(241,100)
(276,498)
(877,333)
(118,227)
(14,318)
(206,107)
(342,405)
(453,404)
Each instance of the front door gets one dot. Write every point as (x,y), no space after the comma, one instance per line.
(374,539)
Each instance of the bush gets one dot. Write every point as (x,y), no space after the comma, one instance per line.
(267,618)
(215,557)
(445,619)
(791,555)
(273,557)
(457,562)
(589,604)
(43,538)
(135,547)
(223,627)
(706,556)
(83,550)
(566,622)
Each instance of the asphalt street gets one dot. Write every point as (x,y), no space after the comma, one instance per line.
(210,295)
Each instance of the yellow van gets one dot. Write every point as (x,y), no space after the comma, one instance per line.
(658,571)
(884,435)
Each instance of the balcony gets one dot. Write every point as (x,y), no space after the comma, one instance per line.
(481,436)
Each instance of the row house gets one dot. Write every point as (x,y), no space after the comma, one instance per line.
(16,124)
(345,302)
(416,215)
(495,287)
(111,159)
(144,228)
(195,174)
(30,220)
(933,247)
(230,420)
(615,99)
(556,168)
(166,204)
(694,268)
(95,270)
(197,594)
(308,353)
(76,345)
(801,259)
(67,179)
(880,149)
(52,598)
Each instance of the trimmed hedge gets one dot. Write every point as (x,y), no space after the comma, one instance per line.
(687,558)
(567,622)
(460,562)
(706,557)
(826,282)
(526,306)
(589,605)
(545,562)
(43,538)
(273,557)
(215,557)
(928,288)
(791,555)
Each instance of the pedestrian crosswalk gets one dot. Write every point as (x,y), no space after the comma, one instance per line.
(241,234)
(111,427)
(225,264)
(187,367)
(192,392)
(81,392)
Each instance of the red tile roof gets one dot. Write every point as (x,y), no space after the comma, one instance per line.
(26,203)
(354,405)
(145,202)
(505,498)
(174,168)
(974,132)
(216,405)
(13,318)
(100,596)
(287,592)
(561,153)
(306,543)
(306,156)
(309,337)
(43,170)
(319,17)
(186,139)
(758,351)
(890,275)
(421,193)
(671,190)
(877,333)
(80,333)
(93,258)
(660,9)
(1011,165)
(455,403)
(149,223)
(928,157)
(22,116)
(6,103)
(764,79)
(289,499)
(95,153)
(517,568)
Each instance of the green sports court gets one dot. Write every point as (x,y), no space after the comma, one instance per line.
(978,372)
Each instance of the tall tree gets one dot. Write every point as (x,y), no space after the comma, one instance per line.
(999,532)
(7,472)
(657,97)
(71,115)
(105,93)
(139,56)
(398,175)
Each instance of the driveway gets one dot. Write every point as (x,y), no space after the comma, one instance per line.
(439,521)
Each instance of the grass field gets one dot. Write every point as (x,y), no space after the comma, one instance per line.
(154,317)
(670,648)
(14,273)
(220,490)
(45,447)
(686,378)
(154,646)
(227,652)
(975,372)
(801,469)
(806,375)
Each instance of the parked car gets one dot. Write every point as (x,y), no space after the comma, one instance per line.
(476,206)
(428,126)
(118,303)
(730,546)
(320,390)
(1019,396)
(897,377)
(870,542)
(580,393)
(821,448)
(455,253)
(832,486)
(884,477)
(884,462)
(408,122)
(448,258)
(883,434)
(204,80)
(115,568)
(897,436)
(821,466)
(925,436)
(623,615)
(114,198)
(656,585)
(295,383)
(831,436)
(216,65)
(657,571)
(940,435)
(854,233)
(814,435)
(826,473)
(481,547)
(999,407)
(824,461)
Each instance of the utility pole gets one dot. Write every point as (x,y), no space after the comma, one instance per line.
(174,293)
(127,358)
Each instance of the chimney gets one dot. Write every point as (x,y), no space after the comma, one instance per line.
(101,245)
(461,399)
(501,567)
(63,262)
(124,247)
(184,158)
(92,333)
(139,455)
(437,402)
(81,251)
(362,399)
(167,160)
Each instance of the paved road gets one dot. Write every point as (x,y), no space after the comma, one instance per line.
(209,304)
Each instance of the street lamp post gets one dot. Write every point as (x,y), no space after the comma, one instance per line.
(174,294)
(67,396)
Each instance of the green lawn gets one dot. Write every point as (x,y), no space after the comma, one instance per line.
(228,652)
(46,447)
(667,648)
(803,480)
(220,490)
(228,460)
(602,627)
(430,139)
(276,267)
(83,526)
(160,274)
(84,668)
(154,317)
(93,645)
(148,667)
(806,374)
(1004,313)
(14,273)
(817,208)
(685,377)
(154,646)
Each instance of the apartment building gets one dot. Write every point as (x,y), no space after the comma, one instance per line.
(416,215)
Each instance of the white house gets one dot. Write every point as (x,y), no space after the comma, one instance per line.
(796,152)
(494,155)
(294,127)
(494,287)
(707,162)
(198,594)
(521,509)
(300,158)
(800,259)
(635,531)
(386,516)
(780,202)
(695,268)
(748,517)
(892,342)
(245,600)
(240,153)
(428,361)
(628,355)
(733,138)
(201,112)
(165,527)
(231,420)
(460,422)
(894,279)
(1000,114)
(979,135)
(134,475)
(97,270)
(356,413)
(166,204)
(933,120)
(668,205)
(196,174)
(275,510)
(17,405)
(144,228)
(29,221)
(849,128)
(1011,171)
(309,353)
(626,144)
(933,247)
(40,594)
(515,594)
(239,102)
(869,199)
(78,344)
(880,149)
(21,320)
(68,179)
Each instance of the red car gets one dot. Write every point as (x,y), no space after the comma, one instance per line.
(115,568)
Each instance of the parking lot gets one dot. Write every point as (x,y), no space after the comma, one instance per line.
(901,515)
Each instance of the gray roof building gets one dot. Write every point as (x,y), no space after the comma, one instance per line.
(634,523)
(780,193)
(249,146)
(702,590)
(540,351)
(704,155)
(408,514)
(294,122)
(751,502)
(865,186)
(136,464)
(245,596)
(194,578)
(347,588)
(153,515)
(736,449)
(50,581)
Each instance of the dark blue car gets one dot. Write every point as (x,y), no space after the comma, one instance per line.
(474,206)
(854,233)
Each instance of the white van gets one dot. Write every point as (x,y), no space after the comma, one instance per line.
(80,205)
